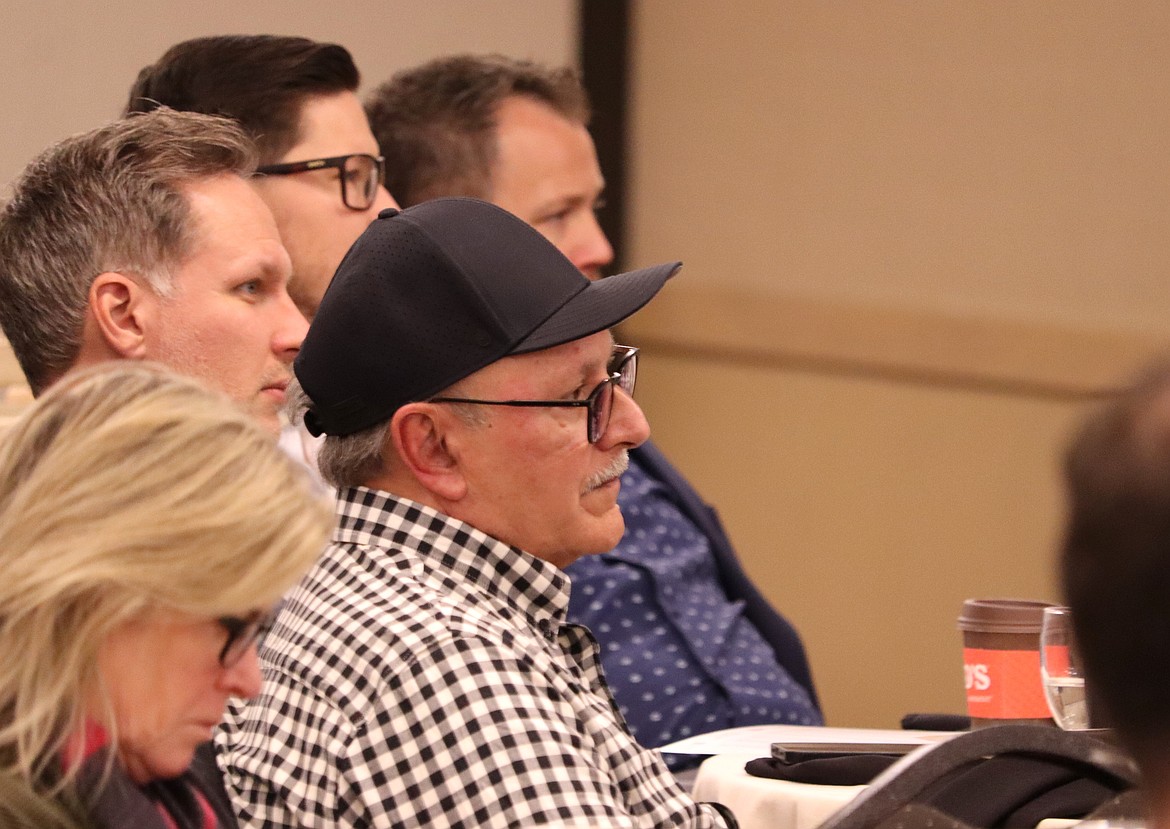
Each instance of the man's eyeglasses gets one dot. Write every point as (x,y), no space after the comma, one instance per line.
(242,634)
(360,175)
(623,372)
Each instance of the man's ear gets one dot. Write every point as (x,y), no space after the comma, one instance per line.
(121,310)
(420,433)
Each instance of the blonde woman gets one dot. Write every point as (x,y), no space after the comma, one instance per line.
(147,528)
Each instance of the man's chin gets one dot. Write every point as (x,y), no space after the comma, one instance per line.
(599,534)
(268,417)
(608,536)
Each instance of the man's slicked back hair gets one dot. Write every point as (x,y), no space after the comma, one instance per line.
(111,199)
(261,81)
(436,123)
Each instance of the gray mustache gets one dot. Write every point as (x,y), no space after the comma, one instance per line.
(615,470)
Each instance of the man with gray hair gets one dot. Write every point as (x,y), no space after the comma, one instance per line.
(144,239)
(478,417)
(688,642)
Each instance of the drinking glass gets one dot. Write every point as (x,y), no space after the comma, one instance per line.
(1061,671)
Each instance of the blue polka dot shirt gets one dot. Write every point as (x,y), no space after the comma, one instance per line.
(680,656)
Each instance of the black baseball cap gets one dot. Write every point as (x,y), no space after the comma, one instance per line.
(429,295)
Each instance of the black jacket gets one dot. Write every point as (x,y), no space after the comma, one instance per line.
(122,804)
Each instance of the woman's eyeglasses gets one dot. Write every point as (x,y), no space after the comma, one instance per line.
(243,632)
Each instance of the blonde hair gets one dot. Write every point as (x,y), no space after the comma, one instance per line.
(123,490)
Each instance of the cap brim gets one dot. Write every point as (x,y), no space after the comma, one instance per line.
(601,305)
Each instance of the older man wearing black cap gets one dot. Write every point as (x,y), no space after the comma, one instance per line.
(477,417)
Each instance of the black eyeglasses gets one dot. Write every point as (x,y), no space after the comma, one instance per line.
(623,372)
(360,176)
(242,634)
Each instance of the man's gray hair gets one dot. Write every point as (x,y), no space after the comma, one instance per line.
(343,460)
(351,460)
(107,200)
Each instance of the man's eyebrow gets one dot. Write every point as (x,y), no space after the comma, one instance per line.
(585,372)
(563,201)
(590,368)
(269,267)
(556,204)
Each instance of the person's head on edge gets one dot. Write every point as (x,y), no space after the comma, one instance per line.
(297,99)
(1115,567)
(138,523)
(144,240)
(456,298)
(508,131)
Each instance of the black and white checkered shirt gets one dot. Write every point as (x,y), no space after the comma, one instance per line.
(422,674)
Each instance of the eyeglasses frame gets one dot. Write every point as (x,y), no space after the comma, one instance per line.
(623,356)
(337,162)
(242,634)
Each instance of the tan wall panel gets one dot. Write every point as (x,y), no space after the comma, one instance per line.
(867,510)
(9,368)
(14,392)
(875,468)
(965,155)
(917,237)
(68,66)
(1032,358)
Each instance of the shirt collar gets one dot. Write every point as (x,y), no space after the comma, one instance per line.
(457,553)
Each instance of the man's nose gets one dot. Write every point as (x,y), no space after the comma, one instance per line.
(627,423)
(291,327)
(592,251)
(382,200)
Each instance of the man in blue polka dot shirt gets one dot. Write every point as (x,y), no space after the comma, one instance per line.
(689,644)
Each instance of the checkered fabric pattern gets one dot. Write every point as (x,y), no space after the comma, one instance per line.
(422,674)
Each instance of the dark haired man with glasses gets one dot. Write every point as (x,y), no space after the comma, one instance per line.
(320,172)
(478,417)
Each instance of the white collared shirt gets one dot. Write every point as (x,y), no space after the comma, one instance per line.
(423,674)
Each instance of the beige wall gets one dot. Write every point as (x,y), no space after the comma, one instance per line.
(962,155)
(67,66)
(917,236)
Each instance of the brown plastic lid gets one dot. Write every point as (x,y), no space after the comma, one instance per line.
(1002,615)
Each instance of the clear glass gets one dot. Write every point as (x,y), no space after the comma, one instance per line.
(1061,671)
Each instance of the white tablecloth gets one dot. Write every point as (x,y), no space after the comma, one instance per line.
(762,803)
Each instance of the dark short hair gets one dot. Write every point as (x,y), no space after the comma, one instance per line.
(111,199)
(259,80)
(435,123)
(1115,562)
